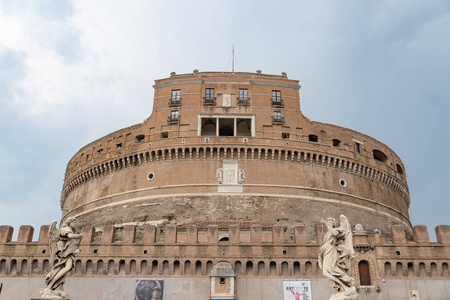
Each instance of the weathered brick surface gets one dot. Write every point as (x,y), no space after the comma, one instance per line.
(25,234)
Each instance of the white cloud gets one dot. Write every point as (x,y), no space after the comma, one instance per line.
(81,69)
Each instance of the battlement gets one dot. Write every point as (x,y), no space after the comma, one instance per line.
(253,250)
(255,235)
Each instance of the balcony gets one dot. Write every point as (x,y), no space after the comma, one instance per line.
(243,101)
(209,101)
(174,102)
(277,103)
(173,120)
(278,120)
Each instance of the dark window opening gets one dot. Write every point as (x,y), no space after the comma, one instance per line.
(336,143)
(284,252)
(397,252)
(400,169)
(43,251)
(164,135)
(95,250)
(222,280)
(364,272)
(380,156)
(224,239)
(285,136)
(358,147)
(140,138)
(119,145)
(145,251)
(99,151)
(313,138)
(243,127)
(226,127)
(208,127)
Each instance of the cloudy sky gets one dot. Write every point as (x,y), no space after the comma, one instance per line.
(73,71)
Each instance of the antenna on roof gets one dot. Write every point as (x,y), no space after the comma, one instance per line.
(232,68)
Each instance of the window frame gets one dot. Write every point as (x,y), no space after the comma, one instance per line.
(209,94)
(243,94)
(276,96)
(358,147)
(176,95)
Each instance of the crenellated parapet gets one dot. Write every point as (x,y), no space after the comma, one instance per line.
(255,250)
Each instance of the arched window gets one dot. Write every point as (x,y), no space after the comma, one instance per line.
(364,272)
(224,239)
(176,267)
(378,155)
(400,170)
(249,268)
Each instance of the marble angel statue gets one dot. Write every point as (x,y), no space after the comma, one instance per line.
(63,245)
(337,247)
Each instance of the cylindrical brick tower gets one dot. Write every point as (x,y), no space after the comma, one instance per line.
(234,147)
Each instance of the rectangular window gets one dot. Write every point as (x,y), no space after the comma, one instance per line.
(358,147)
(243,94)
(277,115)
(176,95)
(209,94)
(226,126)
(174,117)
(276,96)
(174,114)
(277,118)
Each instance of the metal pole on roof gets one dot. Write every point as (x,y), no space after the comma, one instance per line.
(233,60)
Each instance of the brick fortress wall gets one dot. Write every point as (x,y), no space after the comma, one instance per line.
(255,251)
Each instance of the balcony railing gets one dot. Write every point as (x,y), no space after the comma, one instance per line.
(243,101)
(173,120)
(209,101)
(277,103)
(278,120)
(174,102)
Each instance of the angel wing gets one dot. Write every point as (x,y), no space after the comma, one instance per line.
(347,229)
(53,241)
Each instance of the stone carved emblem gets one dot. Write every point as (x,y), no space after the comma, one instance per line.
(241,178)
(337,247)
(230,176)
(219,176)
(226,100)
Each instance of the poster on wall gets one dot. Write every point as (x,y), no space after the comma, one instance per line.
(149,290)
(297,290)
